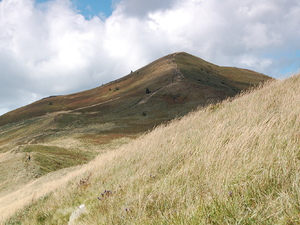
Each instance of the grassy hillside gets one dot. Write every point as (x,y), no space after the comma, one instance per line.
(235,162)
(60,132)
(178,82)
(167,88)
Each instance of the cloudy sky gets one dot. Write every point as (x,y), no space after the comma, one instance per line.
(53,47)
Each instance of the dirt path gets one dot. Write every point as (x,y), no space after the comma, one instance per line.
(90,106)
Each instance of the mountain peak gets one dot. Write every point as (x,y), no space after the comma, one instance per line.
(166,88)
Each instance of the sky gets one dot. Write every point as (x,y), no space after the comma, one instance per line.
(57,47)
(90,8)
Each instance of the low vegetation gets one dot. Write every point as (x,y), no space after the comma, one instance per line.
(232,163)
(45,159)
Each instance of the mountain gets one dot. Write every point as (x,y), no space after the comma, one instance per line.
(64,131)
(236,162)
(167,88)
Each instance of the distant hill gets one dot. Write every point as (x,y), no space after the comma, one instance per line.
(167,88)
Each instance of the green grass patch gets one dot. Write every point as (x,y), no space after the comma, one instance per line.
(47,159)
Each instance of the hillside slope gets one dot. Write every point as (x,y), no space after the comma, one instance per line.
(178,81)
(59,132)
(236,162)
(167,88)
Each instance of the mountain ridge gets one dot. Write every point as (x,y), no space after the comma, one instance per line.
(164,73)
(168,88)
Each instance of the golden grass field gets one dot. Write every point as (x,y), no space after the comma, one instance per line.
(236,162)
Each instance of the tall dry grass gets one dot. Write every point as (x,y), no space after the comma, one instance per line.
(232,163)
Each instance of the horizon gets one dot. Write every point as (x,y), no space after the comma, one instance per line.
(60,47)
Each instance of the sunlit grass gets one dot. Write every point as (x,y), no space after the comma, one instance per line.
(235,163)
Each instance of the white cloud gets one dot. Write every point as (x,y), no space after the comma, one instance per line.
(251,61)
(138,8)
(50,48)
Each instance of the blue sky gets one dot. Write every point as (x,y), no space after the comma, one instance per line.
(90,8)
(64,46)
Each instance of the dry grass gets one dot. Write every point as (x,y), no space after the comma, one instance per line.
(235,163)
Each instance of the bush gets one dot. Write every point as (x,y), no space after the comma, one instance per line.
(148,91)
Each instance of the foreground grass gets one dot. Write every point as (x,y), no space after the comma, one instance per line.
(234,163)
